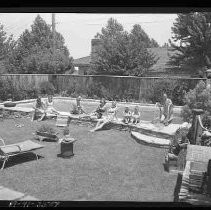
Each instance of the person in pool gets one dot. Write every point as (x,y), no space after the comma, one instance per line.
(111,116)
(135,115)
(127,115)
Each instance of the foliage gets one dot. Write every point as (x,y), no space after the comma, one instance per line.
(192,32)
(161,86)
(17,92)
(47,88)
(122,53)
(198,98)
(45,128)
(36,52)
(179,92)
(6,46)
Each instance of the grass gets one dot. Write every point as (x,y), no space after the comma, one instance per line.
(107,166)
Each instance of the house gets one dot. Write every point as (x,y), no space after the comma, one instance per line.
(160,69)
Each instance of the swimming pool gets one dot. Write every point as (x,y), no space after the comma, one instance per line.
(148,112)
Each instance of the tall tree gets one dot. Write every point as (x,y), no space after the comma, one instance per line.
(34,51)
(122,53)
(140,36)
(192,41)
(7,44)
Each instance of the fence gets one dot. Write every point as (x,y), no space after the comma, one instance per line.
(136,87)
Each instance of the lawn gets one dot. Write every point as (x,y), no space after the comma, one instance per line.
(107,166)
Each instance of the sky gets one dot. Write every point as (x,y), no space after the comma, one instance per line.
(79,28)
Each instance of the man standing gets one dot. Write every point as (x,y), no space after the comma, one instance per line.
(166,115)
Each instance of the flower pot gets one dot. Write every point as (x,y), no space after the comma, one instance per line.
(45,135)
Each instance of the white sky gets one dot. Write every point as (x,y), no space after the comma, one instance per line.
(79,28)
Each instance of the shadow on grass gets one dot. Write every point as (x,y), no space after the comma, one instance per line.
(65,157)
(18,159)
(177,187)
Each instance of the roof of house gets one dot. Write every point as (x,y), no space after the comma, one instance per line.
(162,53)
(82,61)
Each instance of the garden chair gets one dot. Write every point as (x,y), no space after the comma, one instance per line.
(7,151)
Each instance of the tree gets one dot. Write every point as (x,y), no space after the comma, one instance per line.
(6,45)
(140,36)
(35,53)
(154,43)
(122,53)
(192,37)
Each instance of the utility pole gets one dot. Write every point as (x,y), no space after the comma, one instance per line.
(53,30)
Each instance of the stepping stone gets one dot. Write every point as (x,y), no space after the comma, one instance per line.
(28,198)
(160,129)
(161,142)
(7,194)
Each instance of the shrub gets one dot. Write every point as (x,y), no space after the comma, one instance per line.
(94,89)
(178,93)
(7,88)
(47,88)
(159,87)
(198,98)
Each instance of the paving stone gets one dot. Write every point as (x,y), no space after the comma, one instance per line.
(7,194)
(150,139)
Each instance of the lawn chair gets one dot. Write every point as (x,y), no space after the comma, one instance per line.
(7,151)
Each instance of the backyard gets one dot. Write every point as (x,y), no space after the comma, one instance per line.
(107,166)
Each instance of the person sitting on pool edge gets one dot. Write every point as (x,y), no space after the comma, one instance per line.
(39,108)
(111,116)
(166,115)
(135,115)
(49,109)
(127,115)
(78,109)
(100,109)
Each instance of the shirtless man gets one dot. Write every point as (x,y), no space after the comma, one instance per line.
(167,112)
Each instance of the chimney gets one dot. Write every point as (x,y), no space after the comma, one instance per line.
(95,46)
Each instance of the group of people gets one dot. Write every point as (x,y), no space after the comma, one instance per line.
(42,109)
(110,113)
(129,116)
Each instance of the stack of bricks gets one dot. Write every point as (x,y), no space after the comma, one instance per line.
(184,190)
(195,181)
